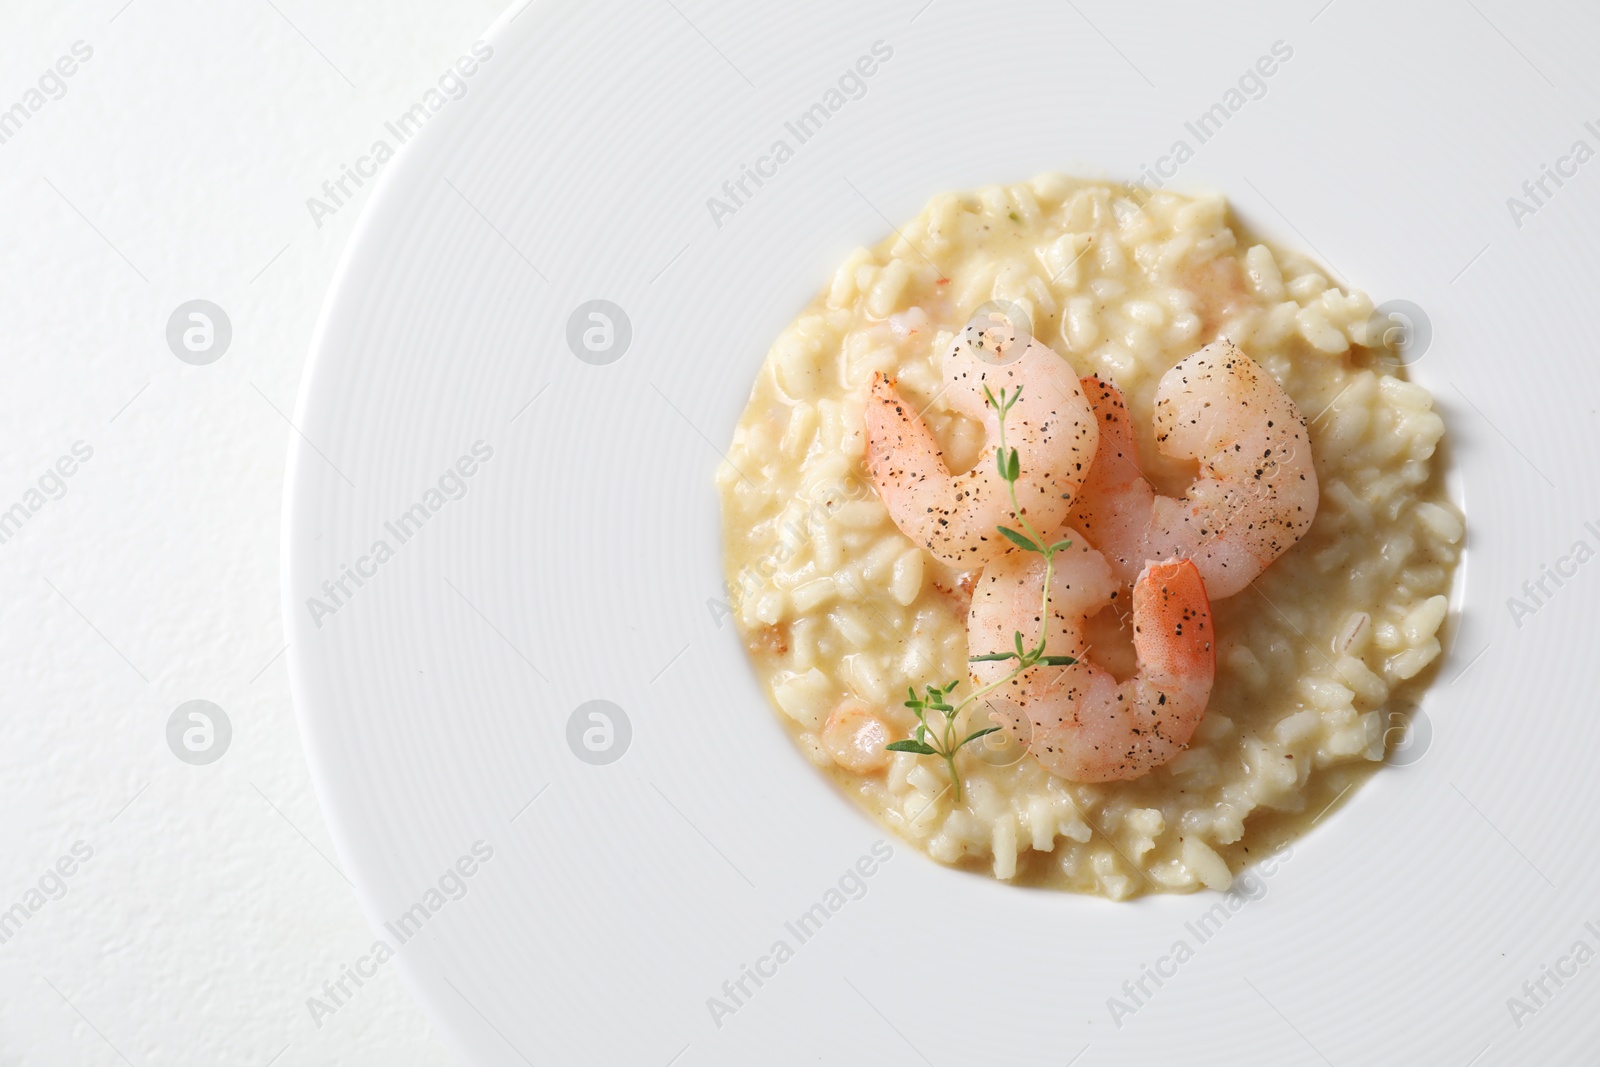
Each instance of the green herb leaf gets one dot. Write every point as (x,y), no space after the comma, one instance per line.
(1020,540)
(918,747)
(1020,651)
(1014,468)
(992,657)
(1057,661)
(1059,545)
(978,734)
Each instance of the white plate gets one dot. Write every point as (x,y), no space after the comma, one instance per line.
(582,563)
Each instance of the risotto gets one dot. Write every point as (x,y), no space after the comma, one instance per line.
(842,612)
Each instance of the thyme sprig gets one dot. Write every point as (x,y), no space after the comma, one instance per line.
(939,737)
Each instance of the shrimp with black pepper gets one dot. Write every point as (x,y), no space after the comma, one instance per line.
(1256,493)
(954,516)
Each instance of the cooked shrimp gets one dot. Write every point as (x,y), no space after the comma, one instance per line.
(1257,490)
(954,516)
(854,738)
(1082,724)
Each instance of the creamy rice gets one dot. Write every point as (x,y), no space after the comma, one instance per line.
(1312,661)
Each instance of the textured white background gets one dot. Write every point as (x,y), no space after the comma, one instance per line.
(212,908)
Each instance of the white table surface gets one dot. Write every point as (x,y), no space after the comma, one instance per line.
(176,165)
